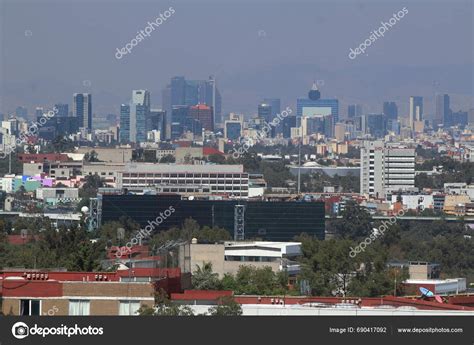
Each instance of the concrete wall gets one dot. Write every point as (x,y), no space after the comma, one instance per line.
(112,155)
(215,254)
(193,152)
(32,169)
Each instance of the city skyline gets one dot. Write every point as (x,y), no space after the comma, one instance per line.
(261,60)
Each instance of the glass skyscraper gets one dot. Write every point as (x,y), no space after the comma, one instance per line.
(133,117)
(82,109)
(182,92)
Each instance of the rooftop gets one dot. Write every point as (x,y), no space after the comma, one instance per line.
(182,168)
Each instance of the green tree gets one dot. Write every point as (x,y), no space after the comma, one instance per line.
(91,185)
(168,159)
(356,222)
(216,158)
(204,278)
(227,306)
(91,156)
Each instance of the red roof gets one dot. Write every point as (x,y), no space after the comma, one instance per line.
(191,295)
(207,151)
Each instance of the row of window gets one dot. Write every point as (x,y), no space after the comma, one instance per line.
(30,307)
(189,190)
(186,175)
(196,182)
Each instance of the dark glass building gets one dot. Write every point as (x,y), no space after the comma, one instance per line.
(377,125)
(82,109)
(390,110)
(287,123)
(272,221)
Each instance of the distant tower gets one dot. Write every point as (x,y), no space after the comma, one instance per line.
(314,93)
(82,109)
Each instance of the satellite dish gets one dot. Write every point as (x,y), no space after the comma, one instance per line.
(85,209)
(191,197)
(425,292)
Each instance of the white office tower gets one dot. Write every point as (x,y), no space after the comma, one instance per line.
(386,169)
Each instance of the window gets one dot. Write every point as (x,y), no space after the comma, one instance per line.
(79,307)
(30,307)
(129,307)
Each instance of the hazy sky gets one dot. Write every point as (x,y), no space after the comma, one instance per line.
(257,49)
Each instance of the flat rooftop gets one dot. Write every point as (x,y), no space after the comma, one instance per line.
(182,168)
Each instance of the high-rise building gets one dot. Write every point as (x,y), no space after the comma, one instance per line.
(204,115)
(82,109)
(124,123)
(38,112)
(21,112)
(416,110)
(156,121)
(390,110)
(314,106)
(386,169)
(459,118)
(138,112)
(190,93)
(62,110)
(179,116)
(443,111)
(340,131)
(275,103)
(288,123)
(233,129)
(265,112)
(354,110)
(376,125)
(399,163)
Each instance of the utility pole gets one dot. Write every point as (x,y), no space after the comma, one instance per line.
(299,167)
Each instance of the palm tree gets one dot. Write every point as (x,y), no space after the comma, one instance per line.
(204,278)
